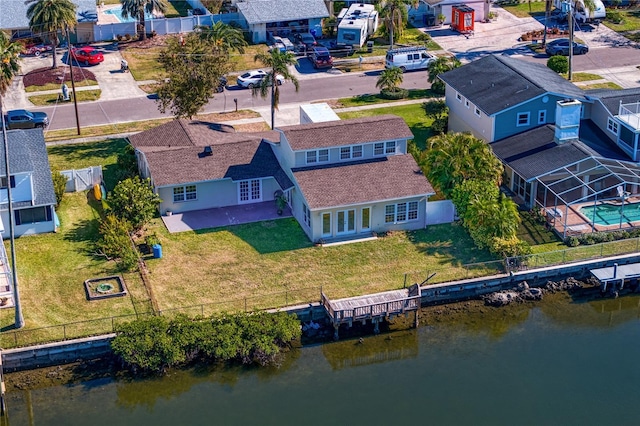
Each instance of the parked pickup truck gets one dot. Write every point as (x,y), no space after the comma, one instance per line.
(23,119)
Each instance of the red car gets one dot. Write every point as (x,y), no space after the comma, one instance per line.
(87,55)
(36,49)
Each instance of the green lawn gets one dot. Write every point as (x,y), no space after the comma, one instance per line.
(368,99)
(53,98)
(413,114)
(523,10)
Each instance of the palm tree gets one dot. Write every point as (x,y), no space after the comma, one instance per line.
(138,8)
(278,63)
(441,65)
(9,67)
(390,79)
(223,37)
(394,15)
(49,17)
(453,158)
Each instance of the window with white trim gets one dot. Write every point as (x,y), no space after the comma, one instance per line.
(523,119)
(459,97)
(349,152)
(466,103)
(249,190)
(542,116)
(184,193)
(401,212)
(384,148)
(612,126)
(477,111)
(318,156)
(306,215)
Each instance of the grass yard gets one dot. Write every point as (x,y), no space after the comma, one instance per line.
(523,10)
(608,85)
(216,265)
(413,114)
(143,63)
(370,99)
(56,86)
(630,21)
(81,96)
(52,269)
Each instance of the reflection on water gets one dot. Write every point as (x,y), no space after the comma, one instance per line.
(561,362)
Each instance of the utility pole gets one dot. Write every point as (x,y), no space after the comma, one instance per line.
(73,84)
(570,23)
(19,319)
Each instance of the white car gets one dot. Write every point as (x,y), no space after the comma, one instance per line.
(253,79)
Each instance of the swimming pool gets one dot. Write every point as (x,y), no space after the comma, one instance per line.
(609,214)
(117,12)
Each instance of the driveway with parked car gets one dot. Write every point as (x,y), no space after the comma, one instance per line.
(87,55)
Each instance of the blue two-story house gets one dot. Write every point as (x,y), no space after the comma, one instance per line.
(498,96)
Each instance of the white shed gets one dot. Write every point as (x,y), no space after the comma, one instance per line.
(317,113)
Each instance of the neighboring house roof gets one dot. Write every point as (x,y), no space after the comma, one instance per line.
(174,153)
(347,132)
(28,154)
(14,13)
(535,152)
(262,11)
(611,99)
(496,82)
(367,181)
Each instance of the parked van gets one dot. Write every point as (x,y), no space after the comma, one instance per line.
(409,58)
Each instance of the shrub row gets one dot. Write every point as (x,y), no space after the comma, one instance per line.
(156,343)
(601,237)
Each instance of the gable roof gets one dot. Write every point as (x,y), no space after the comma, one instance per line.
(611,99)
(28,154)
(14,13)
(262,11)
(535,152)
(496,82)
(174,154)
(346,132)
(358,182)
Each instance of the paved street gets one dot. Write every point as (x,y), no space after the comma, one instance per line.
(611,56)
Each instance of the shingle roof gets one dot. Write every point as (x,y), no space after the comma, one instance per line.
(262,11)
(28,153)
(174,153)
(368,181)
(611,98)
(346,132)
(496,82)
(534,152)
(13,13)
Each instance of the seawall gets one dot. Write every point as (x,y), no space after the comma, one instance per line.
(94,347)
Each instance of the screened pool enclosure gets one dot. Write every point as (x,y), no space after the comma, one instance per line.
(590,195)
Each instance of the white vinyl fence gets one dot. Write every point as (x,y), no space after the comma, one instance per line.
(440,212)
(83,179)
(108,32)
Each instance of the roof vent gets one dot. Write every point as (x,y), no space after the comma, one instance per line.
(208,151)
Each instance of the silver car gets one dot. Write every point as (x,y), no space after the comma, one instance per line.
(253,79)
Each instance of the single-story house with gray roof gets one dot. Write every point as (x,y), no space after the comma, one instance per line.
(497,96)
(281,17)
(340,178)
(32,194)
(195,165)
(13,18)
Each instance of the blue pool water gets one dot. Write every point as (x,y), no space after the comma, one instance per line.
(609,214)
(117,12)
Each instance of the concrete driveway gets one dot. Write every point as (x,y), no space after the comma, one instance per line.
(112,83)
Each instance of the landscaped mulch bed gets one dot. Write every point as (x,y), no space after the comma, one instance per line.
(44,76)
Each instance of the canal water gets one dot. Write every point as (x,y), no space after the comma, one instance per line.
(560,362)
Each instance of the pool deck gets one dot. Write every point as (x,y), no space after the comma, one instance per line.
(107,18)
(577,223)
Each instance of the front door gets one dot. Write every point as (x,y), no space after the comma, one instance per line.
(346,221)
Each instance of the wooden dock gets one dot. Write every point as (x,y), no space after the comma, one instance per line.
(373,307)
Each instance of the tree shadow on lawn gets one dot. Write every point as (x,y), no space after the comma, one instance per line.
(450,243)
(270,236)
